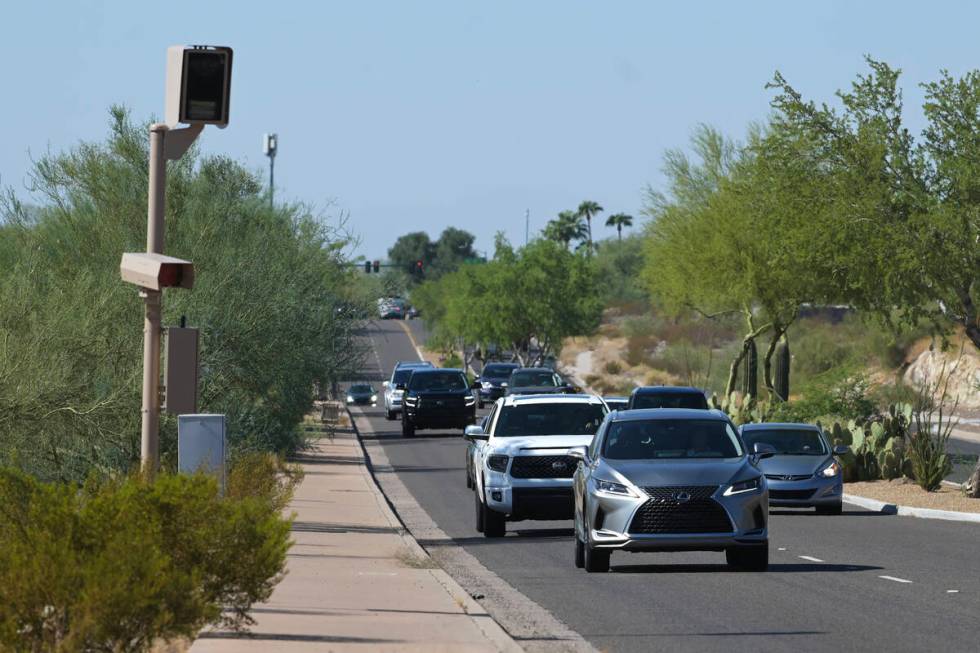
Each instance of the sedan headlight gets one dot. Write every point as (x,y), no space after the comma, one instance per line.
(374,398)
(497,462)
(751,485)
(470,400)
(611,487)
(830,471)
(411,401)
(350,399)
(486,385)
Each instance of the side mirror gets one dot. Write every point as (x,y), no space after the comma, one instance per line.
(384,384)
(841,450)
(474,432)
(476,386)
(579,453)
(763,450)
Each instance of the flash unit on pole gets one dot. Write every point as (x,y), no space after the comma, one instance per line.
(198,85)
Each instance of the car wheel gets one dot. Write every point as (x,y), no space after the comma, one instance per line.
(479,404)
(750,558)
(494,524)
(408,429)
(479,512)
(579,553)
(388,415)
(833,509)
(595,560)
(469,480)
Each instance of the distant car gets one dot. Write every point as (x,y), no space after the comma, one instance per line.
(436,399)
(361,394)
(667,396)
(493,381)
(670,480)
(413,313)
(399,375)
(804,472)
(519,462)
(535,381)
(617,403)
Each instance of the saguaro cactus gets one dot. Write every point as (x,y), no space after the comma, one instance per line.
(750,370)
(781,382)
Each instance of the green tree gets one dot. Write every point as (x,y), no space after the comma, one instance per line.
(564,229)
(453,248)
(411,247)
(587,210)
(619,220)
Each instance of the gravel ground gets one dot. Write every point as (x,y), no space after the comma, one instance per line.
(905,493)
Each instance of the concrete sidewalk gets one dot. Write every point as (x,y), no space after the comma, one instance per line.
(356,580)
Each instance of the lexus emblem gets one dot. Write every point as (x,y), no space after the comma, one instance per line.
(681,497)
(558,465)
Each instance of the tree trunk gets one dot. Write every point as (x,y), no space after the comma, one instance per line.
(750,336)
(619,230)
(588,221)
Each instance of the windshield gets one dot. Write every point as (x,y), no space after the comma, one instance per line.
(671,438)
(670,400)
(362,388)
(533,379)
(791,442)
(497,371)
(549,419)
(438,381)
(401,376)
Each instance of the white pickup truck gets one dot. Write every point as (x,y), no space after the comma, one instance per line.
(518,461)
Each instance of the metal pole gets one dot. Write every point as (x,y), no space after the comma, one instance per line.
(150,434)
(527,224)
(272,182)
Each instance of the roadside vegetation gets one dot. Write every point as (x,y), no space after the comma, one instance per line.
(93,557)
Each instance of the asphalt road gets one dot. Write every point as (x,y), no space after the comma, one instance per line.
(857,581)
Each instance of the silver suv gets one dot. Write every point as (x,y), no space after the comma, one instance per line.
(399,376)
(519,460)
(670,479)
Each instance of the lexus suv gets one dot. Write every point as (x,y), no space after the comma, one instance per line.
(436,399)
(670,480)
(519,463)
(535,381)
(667,396)
(803,472)
(399,375)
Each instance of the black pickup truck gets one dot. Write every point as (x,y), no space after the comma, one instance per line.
(436,399)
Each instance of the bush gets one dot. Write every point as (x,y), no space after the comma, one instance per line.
(842,393)
(115,564)
(613,367)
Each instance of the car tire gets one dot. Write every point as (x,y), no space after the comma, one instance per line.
(596,561)
(408,429)
(749,558)
(479,404)
(494,523)
(388,415)
(579,553)
(469,480)
(479,512)
(833,509)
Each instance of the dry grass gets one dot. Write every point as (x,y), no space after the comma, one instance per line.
(903,492)
(412,560)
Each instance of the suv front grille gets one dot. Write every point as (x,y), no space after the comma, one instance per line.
(543,467)
(680,509)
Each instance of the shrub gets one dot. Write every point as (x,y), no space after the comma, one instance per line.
(840,392)
(116,563)
(613,367)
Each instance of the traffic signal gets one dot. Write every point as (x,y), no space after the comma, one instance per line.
(367,267)
(418,268)
(377,266)
(198,85)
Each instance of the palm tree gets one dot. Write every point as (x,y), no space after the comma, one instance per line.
(586,210)
(565,228)
(619,220)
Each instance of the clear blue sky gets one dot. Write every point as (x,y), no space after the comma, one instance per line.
(422,115)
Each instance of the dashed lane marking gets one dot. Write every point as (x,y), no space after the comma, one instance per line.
(810,558)
(782,548)
(952,591)
(897,580)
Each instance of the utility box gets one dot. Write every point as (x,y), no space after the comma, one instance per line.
(201,445)
(180,371)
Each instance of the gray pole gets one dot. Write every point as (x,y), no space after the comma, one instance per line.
(527,224)
(272,180)
(149,436)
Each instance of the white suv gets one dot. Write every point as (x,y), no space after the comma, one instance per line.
(399,375)
(519,460)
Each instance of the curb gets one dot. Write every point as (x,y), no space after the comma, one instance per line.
(492,631)
(908,511)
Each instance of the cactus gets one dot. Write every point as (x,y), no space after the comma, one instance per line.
(781,384)
(750,370)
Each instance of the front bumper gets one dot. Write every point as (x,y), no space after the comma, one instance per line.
(808,493)
(529,498)
(611,524)
(424,419)
(491,394)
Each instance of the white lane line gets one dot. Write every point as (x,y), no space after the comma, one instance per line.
(810,558)
(952,591)
(897,580)
(782,548)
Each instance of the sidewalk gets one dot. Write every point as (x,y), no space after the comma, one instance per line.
(356,581)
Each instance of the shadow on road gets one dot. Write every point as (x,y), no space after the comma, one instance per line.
(809,513)
(791,568)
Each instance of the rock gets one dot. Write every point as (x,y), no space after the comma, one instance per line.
(926,369)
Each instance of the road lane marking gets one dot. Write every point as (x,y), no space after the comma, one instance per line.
(810,558)
(897,580)
(952,591)
(782,548)
(411,338)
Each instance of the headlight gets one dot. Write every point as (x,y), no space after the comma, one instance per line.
(497,462)
(350,399)
(470,400)
(750,485)
(830,471)
(503,385)
(612,488)
(486,385)
(374,397)
(411,401)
